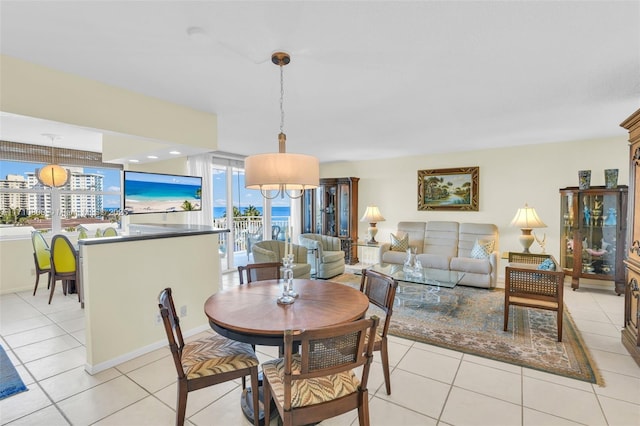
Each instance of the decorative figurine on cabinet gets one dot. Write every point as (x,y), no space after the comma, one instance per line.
(611,217)
(587,216)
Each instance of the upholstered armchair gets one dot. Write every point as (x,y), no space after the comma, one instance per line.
(273,251)
(329,255)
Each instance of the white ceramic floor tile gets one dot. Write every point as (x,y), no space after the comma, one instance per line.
(430,364)
(46,348)
(614,362)
(197,400)
(101,401)
(490,381)
(58,363)
(604,343)
(155,375)
(438,350)
(145,359)
(35,335)
(492,363)
(22,404)
(562,401)
(148,411)
(15,325)
(417,393)
(596,327)
(224,411)
(470,408)
(48,416)
(536,418)
(620,412)
(74,381)
(560,380)
(618,386)
(27,378)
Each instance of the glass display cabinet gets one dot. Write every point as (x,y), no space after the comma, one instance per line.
(332,209)
(593,233)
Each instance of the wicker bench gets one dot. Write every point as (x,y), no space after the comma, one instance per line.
(525,285)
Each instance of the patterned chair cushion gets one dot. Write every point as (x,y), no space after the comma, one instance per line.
(214,355)
(309,391)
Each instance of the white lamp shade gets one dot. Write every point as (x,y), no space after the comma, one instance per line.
(372,215)
(53,175)
(273,171)
(527,218)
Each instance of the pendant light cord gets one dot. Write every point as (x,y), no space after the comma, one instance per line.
(281,99)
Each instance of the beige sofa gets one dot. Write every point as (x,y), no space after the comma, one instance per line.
(448,246)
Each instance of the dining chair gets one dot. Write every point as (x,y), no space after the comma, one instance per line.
(64,265)
(41,257)
(381,291)
(259,271)
(205,362)
(318,382)
(110,232)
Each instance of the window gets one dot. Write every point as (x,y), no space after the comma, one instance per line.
(92,195)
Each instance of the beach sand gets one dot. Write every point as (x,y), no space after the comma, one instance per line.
(132,206)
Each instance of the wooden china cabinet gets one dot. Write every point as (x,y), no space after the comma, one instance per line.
(630,332)
(592,233)
(332,209)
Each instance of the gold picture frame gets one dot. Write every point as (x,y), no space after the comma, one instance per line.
(449,189)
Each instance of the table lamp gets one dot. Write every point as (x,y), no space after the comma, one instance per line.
(372,216)
(526,219)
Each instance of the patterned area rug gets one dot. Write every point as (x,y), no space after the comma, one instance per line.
(470,320)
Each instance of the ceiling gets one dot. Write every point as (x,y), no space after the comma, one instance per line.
(367,80)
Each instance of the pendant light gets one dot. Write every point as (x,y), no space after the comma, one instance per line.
(52,175)
(282,172)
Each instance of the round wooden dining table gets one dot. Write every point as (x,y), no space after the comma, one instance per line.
(250,313)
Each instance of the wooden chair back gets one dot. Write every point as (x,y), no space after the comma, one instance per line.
(381,291)
(205,362)
(325,352)
(259,272)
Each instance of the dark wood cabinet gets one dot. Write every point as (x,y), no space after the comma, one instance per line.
(332,209)
(630,332)
(593,234)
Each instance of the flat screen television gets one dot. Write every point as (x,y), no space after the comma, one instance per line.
(161,193)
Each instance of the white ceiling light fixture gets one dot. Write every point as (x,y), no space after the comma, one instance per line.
(52,175)
(284,173)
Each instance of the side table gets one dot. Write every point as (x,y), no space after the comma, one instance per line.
(369,254)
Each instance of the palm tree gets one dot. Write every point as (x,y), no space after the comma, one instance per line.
(187,206)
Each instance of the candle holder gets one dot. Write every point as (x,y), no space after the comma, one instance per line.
(288,295)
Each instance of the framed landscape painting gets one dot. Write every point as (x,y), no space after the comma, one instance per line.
(449,189)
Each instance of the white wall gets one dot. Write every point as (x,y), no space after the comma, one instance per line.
(509,178)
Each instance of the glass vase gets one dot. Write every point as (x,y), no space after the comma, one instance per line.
(288,295)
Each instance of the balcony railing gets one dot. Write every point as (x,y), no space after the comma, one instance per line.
(244,225)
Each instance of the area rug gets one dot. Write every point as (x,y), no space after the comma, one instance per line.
(470,320)
(10,381)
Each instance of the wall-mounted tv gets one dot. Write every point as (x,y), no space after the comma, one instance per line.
(161,193)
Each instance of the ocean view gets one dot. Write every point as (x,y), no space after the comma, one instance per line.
(276,211)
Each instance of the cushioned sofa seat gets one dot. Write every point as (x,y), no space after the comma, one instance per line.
(450,246)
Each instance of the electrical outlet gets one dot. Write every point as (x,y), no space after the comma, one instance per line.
(183,311)
(158,319)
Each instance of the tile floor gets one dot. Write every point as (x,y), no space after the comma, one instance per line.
(430,385)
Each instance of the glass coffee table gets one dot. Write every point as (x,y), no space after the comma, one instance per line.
(412,295)
(429,276)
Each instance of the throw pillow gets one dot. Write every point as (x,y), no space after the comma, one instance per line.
(400,244)
(547,265)
(482,249)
